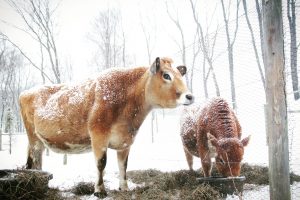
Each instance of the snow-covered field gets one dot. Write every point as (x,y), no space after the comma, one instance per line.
(165,154)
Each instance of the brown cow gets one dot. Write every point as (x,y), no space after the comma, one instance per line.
(213,131)
(98,114)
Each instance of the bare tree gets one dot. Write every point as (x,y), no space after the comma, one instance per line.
(260,67)
(10,86)
(9,127)
(259,16)
(196,51)
(291,13)
(230,44)
(109,37)
(37,16)
(150,44)
(181,44)
(207,45)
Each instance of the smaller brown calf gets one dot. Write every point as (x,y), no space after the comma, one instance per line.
(213,131)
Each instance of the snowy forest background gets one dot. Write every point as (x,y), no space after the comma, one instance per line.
(46,42)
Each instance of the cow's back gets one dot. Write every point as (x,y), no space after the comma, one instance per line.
(28,99)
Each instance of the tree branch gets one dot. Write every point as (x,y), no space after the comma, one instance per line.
(6,38)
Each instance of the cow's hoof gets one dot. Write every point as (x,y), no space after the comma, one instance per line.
(101,194)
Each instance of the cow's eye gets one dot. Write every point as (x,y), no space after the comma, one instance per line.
(166,76)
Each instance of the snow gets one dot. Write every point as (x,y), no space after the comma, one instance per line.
(165,154)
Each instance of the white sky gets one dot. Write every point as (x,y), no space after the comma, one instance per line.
(75,20)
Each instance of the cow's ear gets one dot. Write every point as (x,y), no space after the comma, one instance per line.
(182,69)
(212,139)
(155,66)
(245,141)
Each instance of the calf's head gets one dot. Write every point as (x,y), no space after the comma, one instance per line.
(165,87)
(230,153)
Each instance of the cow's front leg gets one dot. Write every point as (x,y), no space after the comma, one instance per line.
(99,187)
(99,146)
(122,161)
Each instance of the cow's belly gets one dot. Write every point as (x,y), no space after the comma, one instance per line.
(63,135)
(64,139)
(65,144)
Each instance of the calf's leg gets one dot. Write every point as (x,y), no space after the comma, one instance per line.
(189,158)
(205,161)
(122,162)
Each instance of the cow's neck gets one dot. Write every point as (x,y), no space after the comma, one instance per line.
(138,108)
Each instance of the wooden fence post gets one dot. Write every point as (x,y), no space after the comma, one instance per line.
(0,139)
(277,131)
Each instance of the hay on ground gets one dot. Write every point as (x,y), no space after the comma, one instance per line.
(22,184)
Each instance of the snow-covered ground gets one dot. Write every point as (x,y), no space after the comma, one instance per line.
(165,154)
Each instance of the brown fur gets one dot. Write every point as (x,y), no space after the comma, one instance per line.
(213,131)
(99,113)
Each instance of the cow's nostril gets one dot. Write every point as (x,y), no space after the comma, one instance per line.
(189,97)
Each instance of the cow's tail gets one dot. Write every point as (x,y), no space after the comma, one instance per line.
(27,110)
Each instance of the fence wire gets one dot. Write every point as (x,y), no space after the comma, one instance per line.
(250,94)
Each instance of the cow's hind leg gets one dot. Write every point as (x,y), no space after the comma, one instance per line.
(35,149)
(122,162)
(34,155)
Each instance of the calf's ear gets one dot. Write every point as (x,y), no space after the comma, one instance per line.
(155,66)
(182,69)
(245,141)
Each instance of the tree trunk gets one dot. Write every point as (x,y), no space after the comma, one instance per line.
(276,110)
(204,80)
(0,139)
(206,47)
(230,43)
(293,47)
(231,73)
(65,159)
(258,11)
(254,45)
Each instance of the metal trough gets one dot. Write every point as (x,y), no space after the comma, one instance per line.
(229,185)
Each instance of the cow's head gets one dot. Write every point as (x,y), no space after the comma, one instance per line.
(166,88)
(230,153)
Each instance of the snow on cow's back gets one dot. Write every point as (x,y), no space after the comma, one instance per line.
(53,101)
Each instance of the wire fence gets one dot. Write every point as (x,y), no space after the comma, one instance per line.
(250,93)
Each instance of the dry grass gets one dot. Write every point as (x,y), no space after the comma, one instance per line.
(154,185)
(259,175)
(180,184)
(22,184)
(83,188)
